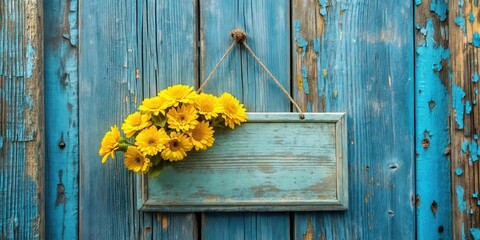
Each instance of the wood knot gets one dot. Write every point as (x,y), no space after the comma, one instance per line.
(238,35)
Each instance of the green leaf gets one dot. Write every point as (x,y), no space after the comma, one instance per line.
(159,121)
(157,169)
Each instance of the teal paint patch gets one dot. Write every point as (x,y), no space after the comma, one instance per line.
(473,151)
(301,42)
(476,91)
(459,172)
(305,79)
(475,136)
(72,22)
(418,26)
(461,204)
(458,105)
(418,2)
(476,39)
(440,8)
(471,17)
(432,167)
(475,233)
(324,4)
(1,142)
(344,6)
(460,21)
(475,78)
(475,195)
(461,3)
(468,107)
(478,202)
(471,211)
(465,144)
(30,59)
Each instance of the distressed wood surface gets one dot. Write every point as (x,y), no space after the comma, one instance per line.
(268,171)
(61,119)
(432,142)
(464,44)
(130,49)
(357,57)
(21,120)
(267,25)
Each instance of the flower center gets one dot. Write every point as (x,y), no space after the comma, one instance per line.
(231,108)
(151,141)
(138,159)
(174,145)
(182,117)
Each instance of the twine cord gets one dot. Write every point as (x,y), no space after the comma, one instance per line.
(239,37)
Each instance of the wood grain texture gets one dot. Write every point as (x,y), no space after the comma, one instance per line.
(61,119)
(21,120)
(432,142)
(267,25)
(267,172)
(129,49)
(464,44)
(362,63)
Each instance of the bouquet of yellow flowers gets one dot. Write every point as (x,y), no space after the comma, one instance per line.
(168,126)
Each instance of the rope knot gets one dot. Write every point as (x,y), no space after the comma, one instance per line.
(238,35)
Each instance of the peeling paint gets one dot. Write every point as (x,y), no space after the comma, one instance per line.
(1,142)
(475,195)
(305,79)
(476,39)
(475,78)
(471,17)
(475,233)
(30,59)
(459,172)
(301,42)
(471,211)
(72,34)
(418,2)
(439,7)
(460,21)
(461,204)
(468,107)
(474,151)
(309,233)
(458,105)
(324,4)
(465,144)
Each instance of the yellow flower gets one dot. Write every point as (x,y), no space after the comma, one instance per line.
(178,94)
(182,118)
(202,136)
(208,105)
(136,161)
(234,112)
(109,143)
(177,147)
(154,105)
(135,122)
(150,141)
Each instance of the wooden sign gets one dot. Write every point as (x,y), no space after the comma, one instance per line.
(274,162)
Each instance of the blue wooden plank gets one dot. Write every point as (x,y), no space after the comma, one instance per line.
(267,25)
(61,119)
(21,120)
(130,49)
(432,128)
(362,54)
(281,162)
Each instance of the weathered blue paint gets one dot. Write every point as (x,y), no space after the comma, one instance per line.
(61,107)
(460,21)
(268,25)
(432,166)
(418,2)
(461,204)
(457,95)
(459,171)
(21,120)
(118,37)
(465,144)
(468,107)
(471,17)
(475,233)
(305,79)
(475,78)
(472,211)
(440,8)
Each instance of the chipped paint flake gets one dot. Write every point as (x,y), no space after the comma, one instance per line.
(459,172)
(324,4)
(476,39)
(305,79)
(418,2)
(471,17)
(1,142)
(458,105)
(475,78)
(440,8)
(465,145)
(301,42)
(473,151)
(475,195)
(461,204)
(460,21)
(468,107)
(475,233)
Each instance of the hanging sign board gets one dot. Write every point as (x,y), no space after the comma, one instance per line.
(274,162)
